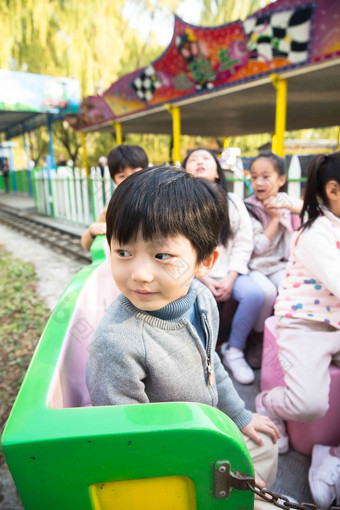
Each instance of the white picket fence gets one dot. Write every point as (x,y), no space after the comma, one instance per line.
(72,196)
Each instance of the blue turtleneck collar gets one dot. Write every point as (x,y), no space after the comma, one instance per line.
(176,309)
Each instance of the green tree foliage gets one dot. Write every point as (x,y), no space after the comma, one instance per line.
(38,144)
(219,12)
(85,39)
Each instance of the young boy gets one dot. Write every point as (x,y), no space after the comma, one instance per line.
(122,161)
(156,342)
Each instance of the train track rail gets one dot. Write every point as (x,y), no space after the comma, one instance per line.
(63,242)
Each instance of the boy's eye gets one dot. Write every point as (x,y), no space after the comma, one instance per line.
(163,256)
(123,253)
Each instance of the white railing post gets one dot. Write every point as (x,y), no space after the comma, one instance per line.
(71,185)
(64,174)
(85,189)
(109,185)
(47,205)
(294,172)
(54,188)
(239,174)
(79,205)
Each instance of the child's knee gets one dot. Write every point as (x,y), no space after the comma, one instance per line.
(313,411)
(270,295)
(255,296)
(308,404)
(265,459)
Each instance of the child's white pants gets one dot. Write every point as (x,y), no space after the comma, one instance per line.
(265,462)
(306,349)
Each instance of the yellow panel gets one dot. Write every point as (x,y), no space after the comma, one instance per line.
(166,493)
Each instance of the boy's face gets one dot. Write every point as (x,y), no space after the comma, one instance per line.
(152,274)
(123,174)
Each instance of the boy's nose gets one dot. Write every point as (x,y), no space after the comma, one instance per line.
(141,272)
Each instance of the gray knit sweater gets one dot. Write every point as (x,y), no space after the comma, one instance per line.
(138,358)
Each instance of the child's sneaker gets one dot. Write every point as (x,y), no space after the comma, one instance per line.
(233,359)
(324,477)
(282,442)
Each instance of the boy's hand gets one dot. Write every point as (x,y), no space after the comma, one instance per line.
(262,424)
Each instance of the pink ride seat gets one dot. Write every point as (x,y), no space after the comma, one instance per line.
(302,435)
(68,387)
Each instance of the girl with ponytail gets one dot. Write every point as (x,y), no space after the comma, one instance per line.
(308,304)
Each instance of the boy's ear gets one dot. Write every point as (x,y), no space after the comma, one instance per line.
(207,264)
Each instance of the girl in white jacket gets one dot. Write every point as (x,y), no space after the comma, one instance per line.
(229,278)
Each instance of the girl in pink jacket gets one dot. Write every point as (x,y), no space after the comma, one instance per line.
(273,222)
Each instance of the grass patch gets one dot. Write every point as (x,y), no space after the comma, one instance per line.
(23,316)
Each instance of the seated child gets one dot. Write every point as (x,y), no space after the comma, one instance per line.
(308,304)
(273,227)
(156,342)
(122,161)
(229,278)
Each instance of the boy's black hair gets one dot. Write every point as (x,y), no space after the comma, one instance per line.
(278,163)
(322,169)
(221,177)
(124,156)
(165,201)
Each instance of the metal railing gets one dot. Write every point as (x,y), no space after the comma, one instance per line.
(71,195)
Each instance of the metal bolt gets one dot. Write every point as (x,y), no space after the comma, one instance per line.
(222,494)
(222,469)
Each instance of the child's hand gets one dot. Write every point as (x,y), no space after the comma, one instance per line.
(98,228)
(262,424)
(211,284)
(283,201)
(278,201)
(225,286)
(224,289)
(272,206)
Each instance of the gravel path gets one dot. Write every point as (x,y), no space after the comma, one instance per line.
(54,272)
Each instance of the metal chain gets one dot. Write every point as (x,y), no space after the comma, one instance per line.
(224,480)
(273,498)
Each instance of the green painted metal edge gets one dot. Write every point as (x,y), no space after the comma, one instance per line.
(97,249)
